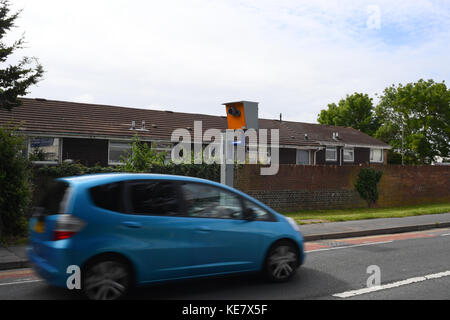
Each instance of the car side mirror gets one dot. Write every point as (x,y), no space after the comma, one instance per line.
(249,214)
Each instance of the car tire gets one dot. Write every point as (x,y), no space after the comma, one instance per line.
(106,278)
(281,262)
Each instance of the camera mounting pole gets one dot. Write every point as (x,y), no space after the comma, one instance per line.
(240,115)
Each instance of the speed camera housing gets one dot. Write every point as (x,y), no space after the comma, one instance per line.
(242,115)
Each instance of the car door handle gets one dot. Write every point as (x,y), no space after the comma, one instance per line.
(203,229)
(132,224)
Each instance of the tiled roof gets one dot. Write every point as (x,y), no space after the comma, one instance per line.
(70,118)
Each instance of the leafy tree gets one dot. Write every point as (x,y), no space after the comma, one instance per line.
(416,120)
(354,111)
(367,183)
(394,157)
(14,79)
(142,156)
(15,186)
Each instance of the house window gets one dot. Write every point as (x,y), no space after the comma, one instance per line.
(117,150)
(376,155)
(302,157)
(349,154)
(330,154)
(44,149)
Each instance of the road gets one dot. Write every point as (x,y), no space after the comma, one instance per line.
(411,266)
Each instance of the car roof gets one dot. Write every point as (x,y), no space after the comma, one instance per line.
(102,178)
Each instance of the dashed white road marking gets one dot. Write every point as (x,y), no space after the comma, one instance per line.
(445,234)
(350,246)
(396,284)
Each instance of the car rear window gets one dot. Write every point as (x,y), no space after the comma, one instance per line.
(108,196)
(54,199)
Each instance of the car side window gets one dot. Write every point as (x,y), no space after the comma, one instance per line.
(153,198)
(206,201)
(108,196)
(260,213)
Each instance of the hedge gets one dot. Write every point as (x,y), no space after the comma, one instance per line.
(43,175)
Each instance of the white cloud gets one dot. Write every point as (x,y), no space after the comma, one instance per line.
(294,57)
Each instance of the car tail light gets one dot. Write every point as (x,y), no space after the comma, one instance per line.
(66,226)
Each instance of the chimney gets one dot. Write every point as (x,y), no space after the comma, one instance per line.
(335,135)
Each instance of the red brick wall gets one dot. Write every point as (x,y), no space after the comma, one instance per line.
(298,187)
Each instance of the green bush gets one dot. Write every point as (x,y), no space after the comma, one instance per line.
(366,184)
(205,171)
(142,156)
(15,183)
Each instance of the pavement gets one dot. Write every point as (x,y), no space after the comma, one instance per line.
(13,257)
(371,227)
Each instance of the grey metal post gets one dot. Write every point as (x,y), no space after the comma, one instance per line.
(226,170)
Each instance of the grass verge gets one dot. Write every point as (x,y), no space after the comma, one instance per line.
(334,215)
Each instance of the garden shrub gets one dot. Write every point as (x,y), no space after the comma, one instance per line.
(367,183)
(15,183)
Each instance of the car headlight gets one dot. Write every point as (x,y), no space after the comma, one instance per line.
(293,224)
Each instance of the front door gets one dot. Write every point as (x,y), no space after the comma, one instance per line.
(223,241)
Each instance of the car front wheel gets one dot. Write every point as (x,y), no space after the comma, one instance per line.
(281,262)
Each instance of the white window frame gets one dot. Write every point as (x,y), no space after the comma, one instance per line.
(353,154)
(60,142)
(382,155)
(111,162)
(335,153)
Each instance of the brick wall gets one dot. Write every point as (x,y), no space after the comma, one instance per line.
(297,187)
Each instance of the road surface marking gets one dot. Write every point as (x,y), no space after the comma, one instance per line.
(313,246)
(396,284)
(24,273)
(351,246)
(20,282)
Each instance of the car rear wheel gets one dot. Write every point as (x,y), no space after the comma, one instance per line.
(106,279)
(281,262)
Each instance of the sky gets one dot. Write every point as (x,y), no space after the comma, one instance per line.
(294,57)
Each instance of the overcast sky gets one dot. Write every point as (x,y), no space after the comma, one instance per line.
(293,57)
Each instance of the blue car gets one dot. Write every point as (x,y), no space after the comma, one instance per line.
(124,230)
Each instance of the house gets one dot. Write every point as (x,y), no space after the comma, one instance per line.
(100,134)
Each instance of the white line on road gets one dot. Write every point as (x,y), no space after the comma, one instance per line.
(445,234)
(20,282)
(397,284)
(351,246)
